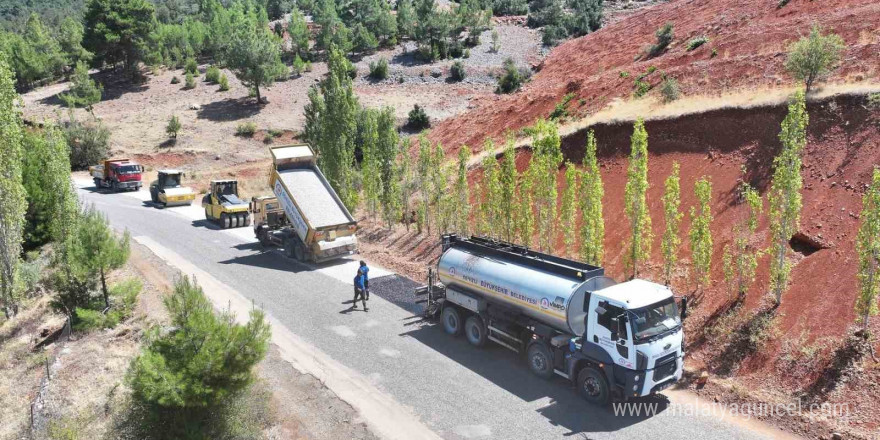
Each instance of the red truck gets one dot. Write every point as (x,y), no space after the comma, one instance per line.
(117,174)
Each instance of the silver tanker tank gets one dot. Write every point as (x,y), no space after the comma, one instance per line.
(552,299)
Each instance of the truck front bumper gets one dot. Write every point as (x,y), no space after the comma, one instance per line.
(129,185)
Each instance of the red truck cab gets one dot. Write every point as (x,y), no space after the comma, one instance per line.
(118,174)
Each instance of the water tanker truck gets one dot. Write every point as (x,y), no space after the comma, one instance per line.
(611,340)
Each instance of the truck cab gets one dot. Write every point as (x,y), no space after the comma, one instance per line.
(634,336)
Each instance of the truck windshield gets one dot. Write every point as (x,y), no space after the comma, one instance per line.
(128,169)
(655,319)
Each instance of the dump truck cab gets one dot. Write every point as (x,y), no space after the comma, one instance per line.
(167,189)
(268,216)
(223,205)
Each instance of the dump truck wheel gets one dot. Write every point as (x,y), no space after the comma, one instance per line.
(299,252)
(475,331)
(263,237)
(114,186)
(97,183)
(451,319)
(593,386)
(540,361)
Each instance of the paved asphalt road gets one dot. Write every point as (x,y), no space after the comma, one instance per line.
(458,391)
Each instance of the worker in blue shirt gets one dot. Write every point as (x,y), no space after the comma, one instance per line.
(366,272)
(360,289)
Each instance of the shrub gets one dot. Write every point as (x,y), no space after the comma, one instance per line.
(641,88)
(175,80)
(553,34)
(561,109)
(624,74)
(190,82)
(212,75)
(224,82)
(696,42)
(456,72)
(814,56)
(418,119)
(123,301)
(273,132)
(664,36)
(496,42)
(379,69)
(89,142)
(83,90)
(173,127)
(511,80)
(307,67)
(191,66)
(298,66)
(874,100)
(246,129)
(466,54)
(714,53)
(781,4)
(669,89)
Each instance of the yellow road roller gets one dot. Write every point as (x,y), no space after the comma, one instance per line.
(166,190)
(223,206)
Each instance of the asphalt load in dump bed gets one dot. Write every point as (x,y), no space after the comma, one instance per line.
(399,291)
(314,198)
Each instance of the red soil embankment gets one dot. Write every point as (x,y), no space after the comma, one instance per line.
(749,39)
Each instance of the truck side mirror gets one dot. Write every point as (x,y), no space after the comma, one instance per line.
(600,310)
(684,308)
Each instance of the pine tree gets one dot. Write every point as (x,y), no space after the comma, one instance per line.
(406,20)
(868,248)
(84,92)
(740,257)
(462,196)
(636,206)
(298,31)
(97,249)
(13,204)
(253,52)
(784,198)
(700,234)
(567,213)
(118,31)
(173,127)
(51,199)
(672,213)
(592,232)
(507,189)
(546,158)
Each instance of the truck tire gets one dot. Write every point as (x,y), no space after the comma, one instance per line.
(97,183)
(224,220)
(233,219)
(593,386)
(263,237)
(475,331)
(451,318)
(299,252)
(114,186)
(288,247)
(540,360)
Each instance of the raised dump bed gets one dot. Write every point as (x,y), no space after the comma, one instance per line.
(320,227)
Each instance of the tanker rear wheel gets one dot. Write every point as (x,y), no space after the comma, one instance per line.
(451,318)
(540,361)
(475,331)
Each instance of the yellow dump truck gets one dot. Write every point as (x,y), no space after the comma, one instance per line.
(166,190)
(222,205)
(316,226)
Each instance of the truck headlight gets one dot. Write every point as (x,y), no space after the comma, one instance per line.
(635,387)
(637,378)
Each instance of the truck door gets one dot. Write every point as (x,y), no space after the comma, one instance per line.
(611,331)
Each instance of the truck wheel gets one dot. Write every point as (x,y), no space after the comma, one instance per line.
(288,247)
(299,252)
(114,186)
(475,331)
(451,321)
(540,361)
(247,219)
(224,220)
(593,386)
(263,237)
(97,183)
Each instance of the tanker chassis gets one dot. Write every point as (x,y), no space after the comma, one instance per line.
(610,340)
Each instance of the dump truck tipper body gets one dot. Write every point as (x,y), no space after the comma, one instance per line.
(117,174)
(319,226)
(609,339)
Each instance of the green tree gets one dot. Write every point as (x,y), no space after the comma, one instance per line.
(253,52)
(567,212)
(868,248)
(298,31)
(524,216)
(117,31)
(70,36)
(740,257)
(84,92)
(204,360)
(173,127)
(507,183)
(13,202)
(492,197)
(672,213)
(338,127)
(592,232)
(586,16)
(423,176)
(700,234)
(440,197)
(51,200)
(369,138)
(42,42)
(636,207)
(407,183)
(98,249)
(546,158)
(461,197)
(784,198)
(406,19)
(814,56)
(387,150)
